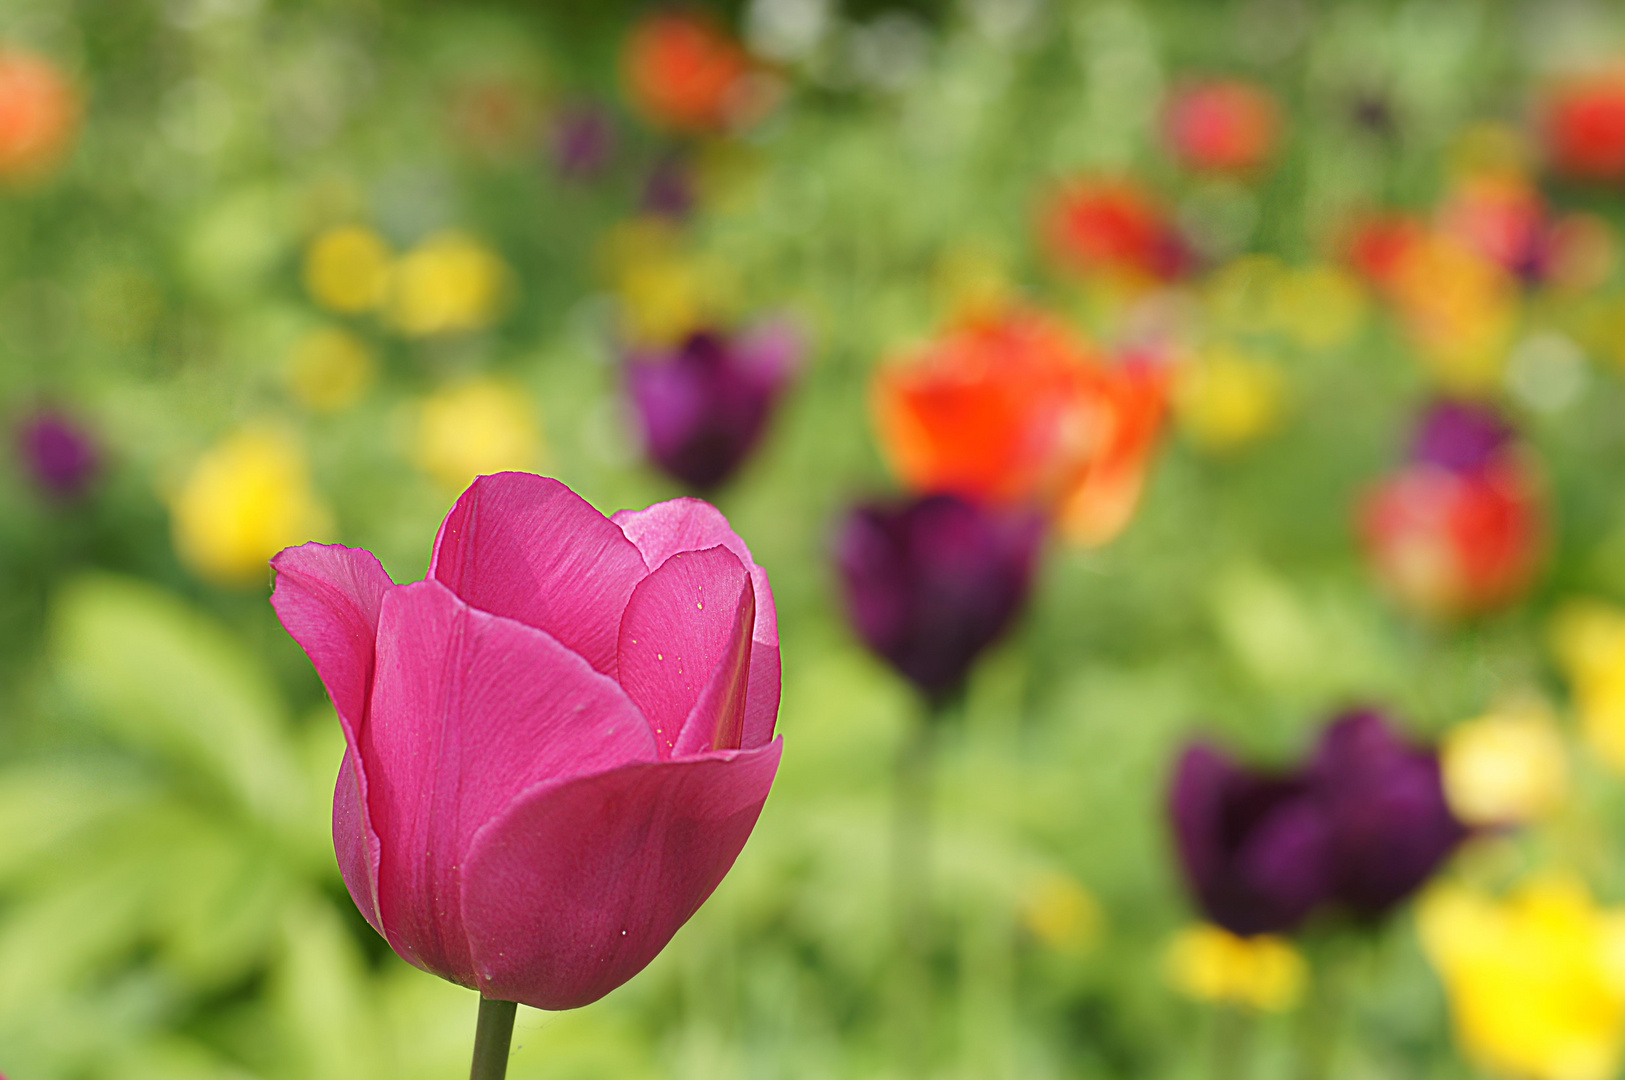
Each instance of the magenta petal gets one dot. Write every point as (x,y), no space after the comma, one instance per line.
(679,628)
(329,598)
(528,548)
(717,719)
(579,885)
(471,709)
(667,528)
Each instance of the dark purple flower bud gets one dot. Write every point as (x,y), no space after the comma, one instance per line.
(705,405)
(1391,826)
(669,190)
(1461,436)
(583,141)
(1255,846)
(932,582)
(58,454)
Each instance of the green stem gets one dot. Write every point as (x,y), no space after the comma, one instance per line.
(1230,1035)
(911,841)
(492,1036)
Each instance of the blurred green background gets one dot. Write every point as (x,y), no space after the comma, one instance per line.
(169,903)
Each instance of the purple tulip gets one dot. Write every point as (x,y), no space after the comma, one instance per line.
(704,405)
(1391,827)
(583,141)
(58,454)
(669,190)
(931,583)
(1460,436)
(1255,846)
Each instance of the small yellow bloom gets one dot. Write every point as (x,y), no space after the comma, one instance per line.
(1536,981)
(665,291)
(1225,399)
(1509,766)
(1319,307)
(247,498)
(449,283)
(1461,310)
(1061,913)
(1588,637)
(1211,964)
(475,428)
(347,269)
(330,369)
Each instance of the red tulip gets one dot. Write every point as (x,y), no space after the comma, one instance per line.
(1224,125)
(685,73)
(557,743)
(1113,227)
(1583,125)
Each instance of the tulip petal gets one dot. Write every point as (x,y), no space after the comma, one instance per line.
(328,598)
(681,628)
(528,548)
(480,708)
(580,884)
(667,528)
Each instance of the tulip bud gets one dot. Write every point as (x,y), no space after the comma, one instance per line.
(1389,823)
(704,405)
(59,455)
(931,583)
(1255,846)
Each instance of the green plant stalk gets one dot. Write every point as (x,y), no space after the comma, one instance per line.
(911,871)
(493,1034)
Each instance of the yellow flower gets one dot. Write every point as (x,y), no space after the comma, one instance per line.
(666,292)
(1225,399)
(1461,310)
(1211,964)
(1319,307)
(475,428)
(449,283)
(1536,981)
(1509,766)
(1061,913)
(247,498)
(330,369)
(1588,638)
(347,269)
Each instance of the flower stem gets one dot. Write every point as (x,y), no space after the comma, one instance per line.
(911,865)
(492,1036)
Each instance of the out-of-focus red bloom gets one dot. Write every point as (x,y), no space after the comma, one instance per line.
(1502,217)
(1378,244)
(39,114)
(1460,531)
(684,72)
(1223,125)
(1113,227)
(1583,126)
(1012,408)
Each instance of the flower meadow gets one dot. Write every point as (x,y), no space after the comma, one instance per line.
(988,539)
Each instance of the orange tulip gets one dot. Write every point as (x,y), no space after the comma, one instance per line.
(39,113)
(1012,408)
(685,73)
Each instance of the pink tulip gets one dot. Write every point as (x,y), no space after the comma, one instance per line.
(557,743)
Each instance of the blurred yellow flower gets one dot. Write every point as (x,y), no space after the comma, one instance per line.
(1461,310)
(347,269)
(1509,766)
(1211,964)
(1061,913)
(1588,638)
(475,428)
(330,369)
(449,283)
(666,292)
(248,497)
(1536,981)
(1225,399)
(1319,307)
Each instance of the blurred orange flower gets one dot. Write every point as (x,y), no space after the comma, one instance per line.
(684,72)
(1011,408)
(1223,125)
(1582,124)
(1112,227)
(39,114)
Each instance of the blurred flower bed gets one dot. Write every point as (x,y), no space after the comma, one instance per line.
(1201,420)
